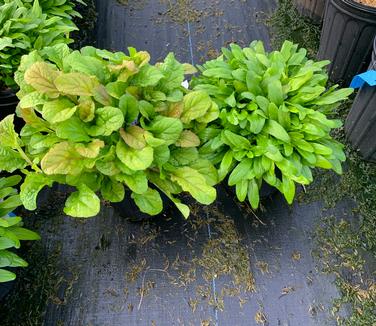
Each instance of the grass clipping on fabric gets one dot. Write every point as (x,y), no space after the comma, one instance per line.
(222,257)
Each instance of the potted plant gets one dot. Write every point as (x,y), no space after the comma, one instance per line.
(313,9)
(11,232)
(272,118)
(28,25)
(105,122)
(360,126)
(346,39)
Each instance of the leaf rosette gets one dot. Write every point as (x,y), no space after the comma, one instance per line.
(273,124)
(105,122)
(32,24)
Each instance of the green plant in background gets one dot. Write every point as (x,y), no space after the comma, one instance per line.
(11,230)
(102,121)
(272,119)
(31,24)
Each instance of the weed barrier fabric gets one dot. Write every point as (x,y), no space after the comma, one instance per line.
(222,266)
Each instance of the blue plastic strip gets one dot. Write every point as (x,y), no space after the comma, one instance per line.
(11,214)
(368,77)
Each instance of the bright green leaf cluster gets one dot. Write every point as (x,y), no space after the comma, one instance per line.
(11,230)
(104,122)
(31,24)
(273,125)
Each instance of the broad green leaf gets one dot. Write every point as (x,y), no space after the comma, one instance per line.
(106,164)
(116,89)
(242,171)
(275,129)
(136,182)
(184,156)
(275,92)
(334,97)
(10,259)
(32,99)
(288,187)
(321,149)
(73,130)
(134,136)
(161,155)
(101,96)
(224,72)
(56,53)
(58,110)
(24,234)
(128,104)
(10,181)
(6,243)
(86,109)
(166,185)
(10,160)
(76,62)
(235,141)
(33,184)
(205,168)
(112,191)
(147,76)
(134,159)
(62,158)
(6,276)
(188,139)
(242,189)
(8,137)
(168,129)
(42,76)
(90,150)
(82,203)
(193,182)
(150,202)
(225,166)
(173,72)
(75,83)
(322,162)
(107,120)
(210,115)
(196,105)
(40,141)
(253,194)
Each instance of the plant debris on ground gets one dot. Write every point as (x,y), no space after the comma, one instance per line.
(223,256)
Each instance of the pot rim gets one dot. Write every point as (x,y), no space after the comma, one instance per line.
(359,6)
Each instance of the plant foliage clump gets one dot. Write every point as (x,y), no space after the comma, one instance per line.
(11,230)
(102,122)
(31,24)
(273,125)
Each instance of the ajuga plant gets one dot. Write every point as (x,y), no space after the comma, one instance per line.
(11,230)
(273,125)
(31,24)
(102,122)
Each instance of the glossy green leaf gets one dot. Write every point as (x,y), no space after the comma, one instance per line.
(82,203)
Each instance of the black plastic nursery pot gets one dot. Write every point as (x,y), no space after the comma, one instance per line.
(8,104)
(360,126)
(372,65)
(346,38)
(313,9)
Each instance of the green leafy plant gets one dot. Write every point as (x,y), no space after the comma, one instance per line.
(103,122)
(11,230)
(28,25)
(273,125)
